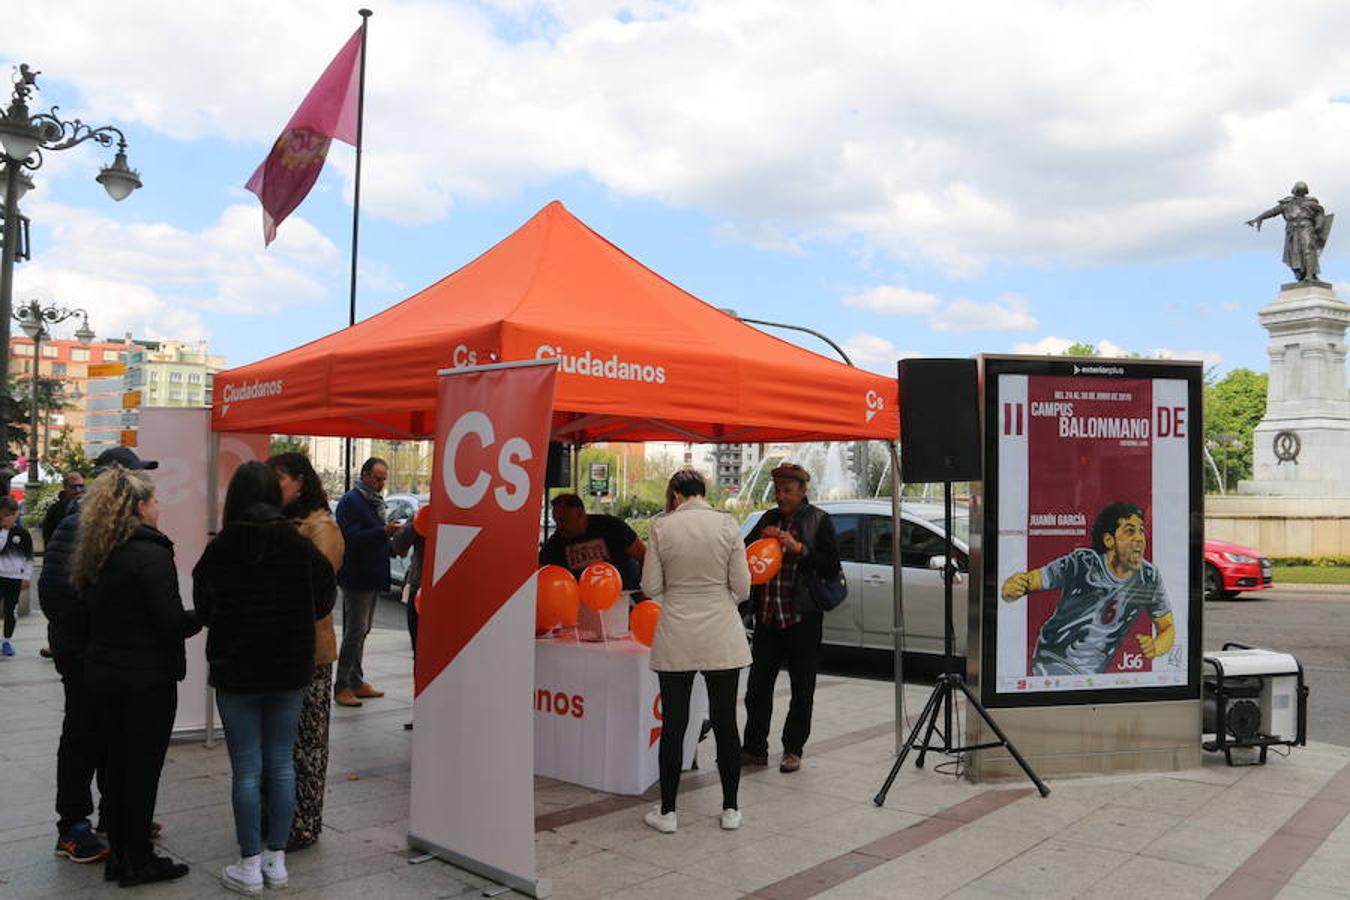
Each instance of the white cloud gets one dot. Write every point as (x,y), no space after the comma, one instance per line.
(1055,346)
(1211,358)
(1046,346)
(1008,313)
(1056,134)
(871,351)
(115,307)
(893,301)
(157,280)
(223,268)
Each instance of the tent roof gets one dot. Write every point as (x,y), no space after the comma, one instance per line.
(640,359)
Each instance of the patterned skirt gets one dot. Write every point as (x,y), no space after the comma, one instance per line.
(311,758)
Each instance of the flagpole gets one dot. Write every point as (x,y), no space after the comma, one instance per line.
(356,210)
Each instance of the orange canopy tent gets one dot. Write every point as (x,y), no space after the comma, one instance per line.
(639,359)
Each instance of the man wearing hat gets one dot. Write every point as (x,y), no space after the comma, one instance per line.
(788,627)
(80,753)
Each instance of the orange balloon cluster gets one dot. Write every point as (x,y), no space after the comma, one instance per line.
(765,557)
(600,586)
(557,600)
(643,620)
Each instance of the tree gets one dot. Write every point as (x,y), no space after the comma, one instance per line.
(1233,406)
(287,443)
(51,397)
(1080,349)
(65,454)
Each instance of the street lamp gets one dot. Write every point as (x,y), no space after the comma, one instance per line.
(24,138)
(34,319)
(860,448)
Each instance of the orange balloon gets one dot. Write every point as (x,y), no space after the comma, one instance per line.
(643,621)
(422,520)
(765,557)
(600,586)
(556,599)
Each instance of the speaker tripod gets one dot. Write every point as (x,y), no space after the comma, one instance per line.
(941,700)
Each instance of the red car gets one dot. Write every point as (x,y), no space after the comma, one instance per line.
(1233,568)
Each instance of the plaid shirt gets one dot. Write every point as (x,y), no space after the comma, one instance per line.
(776,607)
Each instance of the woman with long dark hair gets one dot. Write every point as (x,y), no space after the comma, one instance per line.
(696,564)
(123,565)
(305,503)
(258,588)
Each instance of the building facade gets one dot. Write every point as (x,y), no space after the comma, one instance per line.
(96,405)
(70,362)
(172,373)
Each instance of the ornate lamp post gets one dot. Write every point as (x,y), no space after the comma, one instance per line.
(24,138)
(34,319)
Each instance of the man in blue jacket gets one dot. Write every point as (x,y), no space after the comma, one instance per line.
(364,573)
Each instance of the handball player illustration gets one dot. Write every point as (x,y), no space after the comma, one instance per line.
(1103,591)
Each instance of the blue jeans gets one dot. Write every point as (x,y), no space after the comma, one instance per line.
(260,734)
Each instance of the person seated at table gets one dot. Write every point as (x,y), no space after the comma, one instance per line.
(697,564)
(583,538)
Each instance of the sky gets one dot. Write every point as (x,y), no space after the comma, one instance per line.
(911,179)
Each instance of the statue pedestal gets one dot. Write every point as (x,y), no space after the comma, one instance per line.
(1302,446)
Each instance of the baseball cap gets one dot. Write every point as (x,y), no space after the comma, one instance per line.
(124,457)
(791,470)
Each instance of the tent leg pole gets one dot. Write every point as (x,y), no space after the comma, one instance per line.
(897,596)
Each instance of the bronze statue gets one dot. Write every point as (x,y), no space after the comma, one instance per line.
(1306,228)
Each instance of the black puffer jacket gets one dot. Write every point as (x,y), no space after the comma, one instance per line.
(137,624)
(67,615)
(258,588)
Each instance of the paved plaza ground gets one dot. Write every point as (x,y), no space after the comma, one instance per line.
(1215,831)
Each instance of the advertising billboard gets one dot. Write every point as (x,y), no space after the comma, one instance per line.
(1092,530)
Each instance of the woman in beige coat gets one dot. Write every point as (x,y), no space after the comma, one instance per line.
(303,500)
(696,564)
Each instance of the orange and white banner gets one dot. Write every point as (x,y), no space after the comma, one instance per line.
(473,748)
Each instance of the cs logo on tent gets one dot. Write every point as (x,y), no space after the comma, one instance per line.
(875,404)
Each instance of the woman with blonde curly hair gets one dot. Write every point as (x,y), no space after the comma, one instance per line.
(123,565)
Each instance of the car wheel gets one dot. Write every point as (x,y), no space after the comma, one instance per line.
(1213,583)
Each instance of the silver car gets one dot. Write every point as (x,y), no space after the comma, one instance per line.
(866,619)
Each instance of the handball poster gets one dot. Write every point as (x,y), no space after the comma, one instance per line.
(1091,584)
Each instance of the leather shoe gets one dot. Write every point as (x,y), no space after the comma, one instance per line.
(750,759)
(791,763)
(345,697)
(367,690)
(158,868)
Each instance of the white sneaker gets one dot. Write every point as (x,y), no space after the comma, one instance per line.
(274,868)
(731,819)
(662,822)
(245,876)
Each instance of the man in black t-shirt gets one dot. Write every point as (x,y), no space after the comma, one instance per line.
(582,539)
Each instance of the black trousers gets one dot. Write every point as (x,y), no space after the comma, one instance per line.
(797,648)
(411,613)
(81,753)
(137,725)
(9,597)
(675,690)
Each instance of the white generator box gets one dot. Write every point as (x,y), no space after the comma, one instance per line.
(1253,698)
